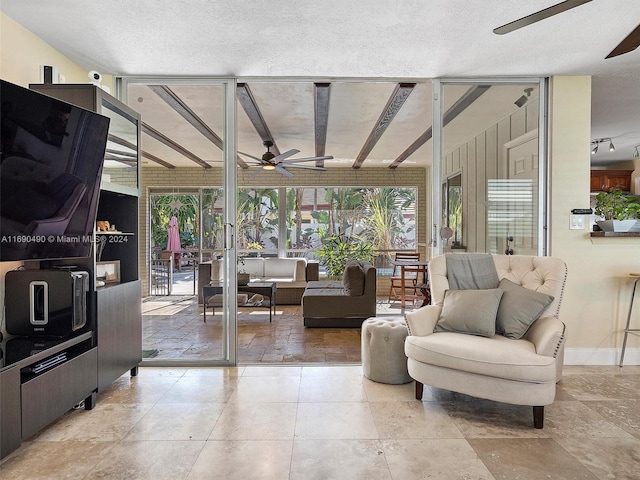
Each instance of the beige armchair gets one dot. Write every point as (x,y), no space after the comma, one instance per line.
(499,367)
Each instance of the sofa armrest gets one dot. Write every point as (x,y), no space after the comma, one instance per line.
(312,272)
(422,321)
(548,336)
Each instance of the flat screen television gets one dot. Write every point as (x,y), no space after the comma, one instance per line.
(50,170)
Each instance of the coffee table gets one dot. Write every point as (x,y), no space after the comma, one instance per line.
(266,289)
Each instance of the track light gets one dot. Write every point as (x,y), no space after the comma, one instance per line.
(636,153)
(596,142)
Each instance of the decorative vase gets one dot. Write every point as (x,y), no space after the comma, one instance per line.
(243,278)
(616,225)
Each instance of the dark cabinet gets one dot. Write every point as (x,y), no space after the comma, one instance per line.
(604,180)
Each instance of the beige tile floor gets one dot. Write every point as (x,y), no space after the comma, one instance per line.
(328,422)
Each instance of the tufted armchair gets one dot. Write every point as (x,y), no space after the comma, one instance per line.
(499,367)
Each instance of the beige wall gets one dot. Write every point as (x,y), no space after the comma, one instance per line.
(598,287)
(22,53)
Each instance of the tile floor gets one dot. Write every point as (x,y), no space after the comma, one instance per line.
(328,422)
(174,327)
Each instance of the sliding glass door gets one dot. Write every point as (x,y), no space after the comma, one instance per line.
(490,180)
(194,125)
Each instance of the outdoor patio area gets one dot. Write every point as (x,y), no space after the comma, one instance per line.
(174,328)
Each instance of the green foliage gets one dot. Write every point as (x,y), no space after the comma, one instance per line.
(337,250)
(615,205)
(161,212)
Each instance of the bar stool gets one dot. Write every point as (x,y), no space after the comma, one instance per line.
(627,329)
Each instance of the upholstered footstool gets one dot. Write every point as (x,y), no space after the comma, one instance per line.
(383,358)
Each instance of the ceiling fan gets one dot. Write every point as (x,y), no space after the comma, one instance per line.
(630,43)
(281,162)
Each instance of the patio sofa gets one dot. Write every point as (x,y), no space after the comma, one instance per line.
(345,303)
(290,274)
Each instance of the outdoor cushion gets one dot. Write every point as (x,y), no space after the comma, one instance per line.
(353,279)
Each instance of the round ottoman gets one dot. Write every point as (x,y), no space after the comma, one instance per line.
(383,358)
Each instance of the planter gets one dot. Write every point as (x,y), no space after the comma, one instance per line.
(243,278)
(616,225)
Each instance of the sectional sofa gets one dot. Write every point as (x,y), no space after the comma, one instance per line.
(290,274)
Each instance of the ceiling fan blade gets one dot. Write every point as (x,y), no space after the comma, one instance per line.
(284,172)
(282,156)
(308,167)
(251,156)
(537,16)
(306,159)
(257,172)
(629,44)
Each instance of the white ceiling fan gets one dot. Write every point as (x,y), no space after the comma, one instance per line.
(280,163)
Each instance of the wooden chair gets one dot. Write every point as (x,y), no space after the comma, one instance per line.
(411,276)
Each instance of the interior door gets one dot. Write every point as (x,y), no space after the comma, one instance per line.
(522,167)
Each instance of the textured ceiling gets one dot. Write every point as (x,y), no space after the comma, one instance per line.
(369,39)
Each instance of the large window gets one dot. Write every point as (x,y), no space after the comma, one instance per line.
(385,217)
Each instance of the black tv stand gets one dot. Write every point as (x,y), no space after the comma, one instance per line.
(31,399)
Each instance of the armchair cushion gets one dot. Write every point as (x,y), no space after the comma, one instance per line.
(519,308)
(457,305)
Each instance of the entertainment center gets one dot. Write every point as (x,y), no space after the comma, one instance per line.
(60,359)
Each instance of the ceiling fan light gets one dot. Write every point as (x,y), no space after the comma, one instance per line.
(268,167)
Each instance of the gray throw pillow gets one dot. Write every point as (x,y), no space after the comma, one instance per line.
(353,279)
(519,308)
(470,311)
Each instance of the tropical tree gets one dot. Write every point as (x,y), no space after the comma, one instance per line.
(184,207)
(384,223)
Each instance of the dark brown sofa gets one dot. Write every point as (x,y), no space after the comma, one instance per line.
(345,303)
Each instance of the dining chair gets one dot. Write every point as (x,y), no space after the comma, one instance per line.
(411,275)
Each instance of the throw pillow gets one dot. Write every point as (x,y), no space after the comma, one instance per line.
(470,311)
(353,279)
(519,308)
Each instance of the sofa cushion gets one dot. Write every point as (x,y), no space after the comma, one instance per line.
(324,284)
(353,279)
(252,266)
(519,308)
(290,268)
(470,311)
(497,356)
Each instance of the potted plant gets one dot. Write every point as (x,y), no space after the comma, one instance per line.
(337,250)
(620,211)
(242,276)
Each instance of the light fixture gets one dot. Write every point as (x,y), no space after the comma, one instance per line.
(269,167)
(598,141)
(636,153)
(523,99)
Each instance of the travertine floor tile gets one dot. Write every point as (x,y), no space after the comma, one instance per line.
(256,421)
(177,421)
(413,420)
(530,458)
(442,459)
(348,459)
(148,460)
(349,420)
(240,459)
